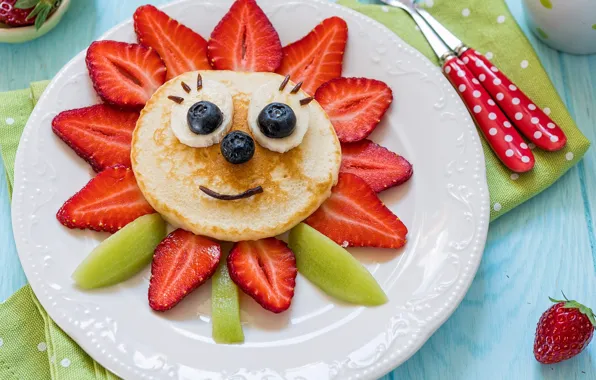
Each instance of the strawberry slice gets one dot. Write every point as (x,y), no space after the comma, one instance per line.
(355,217)
(181,49)
(245,40)
(266,271)
(377,166)
(182,262)
(125,75)
(355,106)
(107,203)
(318,57)
(100,134)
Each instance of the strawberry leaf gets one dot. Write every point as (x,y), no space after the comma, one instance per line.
(34,12)
(42,16)
(588,313)
(42,9)
(26,4)
(581,308)
(592,318)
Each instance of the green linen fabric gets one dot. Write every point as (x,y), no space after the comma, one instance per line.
(33,347)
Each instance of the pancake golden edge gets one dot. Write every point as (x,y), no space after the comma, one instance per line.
(169,173)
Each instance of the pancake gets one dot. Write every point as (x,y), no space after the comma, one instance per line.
(170,173)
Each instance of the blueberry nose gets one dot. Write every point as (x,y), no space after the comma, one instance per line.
(238,147)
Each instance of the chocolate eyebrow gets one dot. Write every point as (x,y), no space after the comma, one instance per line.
(297,88)
(199,82)
(176,99)
(284,83)
(247,194)
(306,101)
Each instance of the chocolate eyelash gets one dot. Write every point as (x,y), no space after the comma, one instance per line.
(199,82)
(185,87)
(179,100)
(297,88)
(176,99)
(284,83)
(306,101)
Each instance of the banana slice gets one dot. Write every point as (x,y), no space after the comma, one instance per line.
(214,92)
(270,93)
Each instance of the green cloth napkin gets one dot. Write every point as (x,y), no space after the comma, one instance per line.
(33,347)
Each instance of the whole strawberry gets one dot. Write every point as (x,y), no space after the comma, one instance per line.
(563,331)
(26,12)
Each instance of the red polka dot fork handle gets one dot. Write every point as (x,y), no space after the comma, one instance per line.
(529,119)
(496,127)
(479,83)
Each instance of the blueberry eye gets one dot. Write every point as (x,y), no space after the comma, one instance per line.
(277,120)
(204,118)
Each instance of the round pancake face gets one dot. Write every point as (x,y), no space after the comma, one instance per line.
(173,175)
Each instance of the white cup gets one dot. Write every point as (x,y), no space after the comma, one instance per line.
(566,25)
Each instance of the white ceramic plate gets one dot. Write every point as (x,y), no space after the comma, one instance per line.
(445,206)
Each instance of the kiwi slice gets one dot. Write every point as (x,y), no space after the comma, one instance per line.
(122,255)
(333,269)
(225,307)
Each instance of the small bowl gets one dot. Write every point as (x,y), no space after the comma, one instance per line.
(15,35)
(568,26)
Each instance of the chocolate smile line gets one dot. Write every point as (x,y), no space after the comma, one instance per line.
(223,197)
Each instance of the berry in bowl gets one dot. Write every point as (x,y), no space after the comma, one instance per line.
(26,20)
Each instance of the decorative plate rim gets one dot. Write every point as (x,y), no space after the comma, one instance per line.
(373,371)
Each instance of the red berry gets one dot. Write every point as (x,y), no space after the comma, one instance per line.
(245,40)
(563,331)
(181,49)
(355,106)
(266,271)
(378,166)
(317,57)
(99,134)
(182,262)
(107,203)
(124,75)
(37,14)
(12,16)
(354,216)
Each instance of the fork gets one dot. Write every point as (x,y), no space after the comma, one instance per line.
(538,127)
(497,129)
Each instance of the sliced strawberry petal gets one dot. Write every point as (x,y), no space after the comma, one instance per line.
(266,271)
(99,134)
(107,203)
(378,166)
(354,105)
(355,217)
(245,40)
(182,262)
(125,75)
(318,57)
(180,47)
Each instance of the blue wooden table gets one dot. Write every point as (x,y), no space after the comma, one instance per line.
(544,246)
